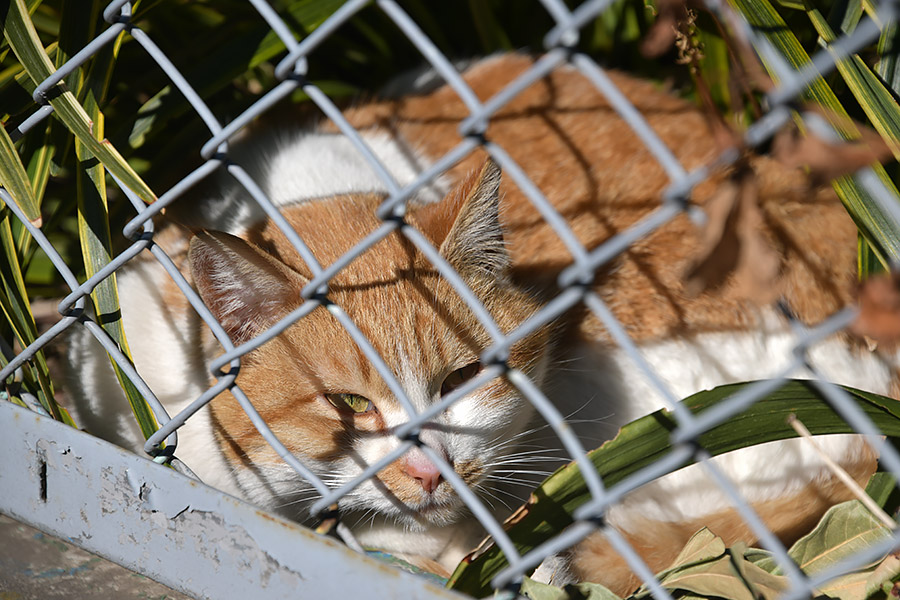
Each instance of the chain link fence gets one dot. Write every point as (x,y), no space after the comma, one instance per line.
(560,45)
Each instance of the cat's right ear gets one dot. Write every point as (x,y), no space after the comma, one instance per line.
(466,224)
(246,289)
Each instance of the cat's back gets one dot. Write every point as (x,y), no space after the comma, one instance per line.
(602,178)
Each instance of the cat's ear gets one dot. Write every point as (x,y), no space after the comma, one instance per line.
(466,224)
(246,289)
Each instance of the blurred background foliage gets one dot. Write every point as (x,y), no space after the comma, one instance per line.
(228,53)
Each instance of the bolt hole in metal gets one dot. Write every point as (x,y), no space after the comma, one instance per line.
(42,480)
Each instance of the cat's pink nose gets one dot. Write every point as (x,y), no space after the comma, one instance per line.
(419,467)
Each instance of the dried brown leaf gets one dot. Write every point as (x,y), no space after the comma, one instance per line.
(732,245)
(879,309)
(829,160)
(718,251)
(759,264)
(661,36)
(689,51)
(748,69)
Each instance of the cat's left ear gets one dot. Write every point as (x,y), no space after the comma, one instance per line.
(466,224)
(246,289)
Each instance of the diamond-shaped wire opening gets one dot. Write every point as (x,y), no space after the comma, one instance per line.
(574,279)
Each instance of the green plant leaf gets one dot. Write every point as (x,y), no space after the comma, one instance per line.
(14,178)
(15,94)
(843,531)
(888,67)
(760,581)
(22,37)
(714,66)
(705,568)
(702,546)
(93,216)
(761,558)
(886,572)
(250,44)
(844,15)
(716,579)
(582,591)
(878,104)
(646,441)
(868,262)
(792,4)
(243,52)
(17,310)
(847,587)
(882,488)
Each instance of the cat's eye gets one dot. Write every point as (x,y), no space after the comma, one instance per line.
(353,402)
(459,377)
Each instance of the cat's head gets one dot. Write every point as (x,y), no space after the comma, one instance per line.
(319,392)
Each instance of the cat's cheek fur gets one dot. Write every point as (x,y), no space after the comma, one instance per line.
(471,451)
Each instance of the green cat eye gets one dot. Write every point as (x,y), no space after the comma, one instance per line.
(355,402)
(459,377)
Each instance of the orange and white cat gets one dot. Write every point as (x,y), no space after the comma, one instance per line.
(332,410)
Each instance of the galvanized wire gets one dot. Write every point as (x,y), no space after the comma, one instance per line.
(574,281)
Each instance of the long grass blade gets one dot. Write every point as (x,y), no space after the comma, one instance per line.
(878,104)
(888,67)
(250,44)
(93,215)
(14,178)
(22,37)
(17,311)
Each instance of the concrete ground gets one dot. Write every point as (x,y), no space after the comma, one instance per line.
(36,566)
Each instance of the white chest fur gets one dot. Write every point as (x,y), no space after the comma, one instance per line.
(620,392)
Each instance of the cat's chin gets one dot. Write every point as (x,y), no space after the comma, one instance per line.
(429,515)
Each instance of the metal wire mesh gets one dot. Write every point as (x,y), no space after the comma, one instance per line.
(560,50)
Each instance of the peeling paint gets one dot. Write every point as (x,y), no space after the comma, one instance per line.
(173,529)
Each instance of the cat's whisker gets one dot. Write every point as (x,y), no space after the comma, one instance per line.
(507,439)
(486,492)
(499,445)
(548,466)
(507,479)
(485,495)
(521,471)
(553,438)
(530,453)
(301,497)
(499,490)
(524,458)
(529,485)
(372,515)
